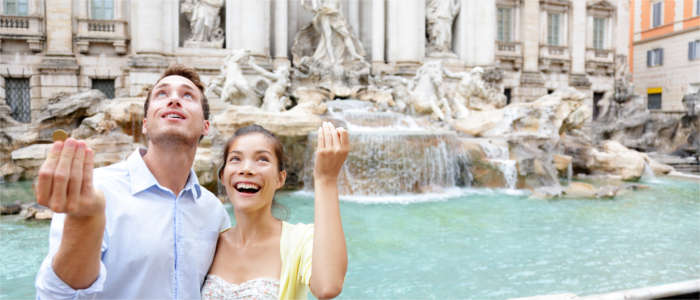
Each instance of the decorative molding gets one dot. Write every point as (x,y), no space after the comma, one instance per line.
(556,6)
(508,3)
(601,9)
(579,81)
(531,79)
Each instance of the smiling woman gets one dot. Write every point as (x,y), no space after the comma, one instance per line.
(264,257)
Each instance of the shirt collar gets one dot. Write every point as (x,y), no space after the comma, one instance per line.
(142,178)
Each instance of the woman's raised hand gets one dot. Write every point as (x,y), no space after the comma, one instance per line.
(331,151)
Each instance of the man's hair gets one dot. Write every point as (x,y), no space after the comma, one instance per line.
(187,72)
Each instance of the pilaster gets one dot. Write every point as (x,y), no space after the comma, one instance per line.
(406,31)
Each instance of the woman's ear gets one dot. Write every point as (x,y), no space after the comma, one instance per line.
(282,178)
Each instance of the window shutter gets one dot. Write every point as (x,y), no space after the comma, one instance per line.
(648,58)
(691,50)
(661,57)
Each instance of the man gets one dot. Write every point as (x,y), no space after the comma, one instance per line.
(147,230)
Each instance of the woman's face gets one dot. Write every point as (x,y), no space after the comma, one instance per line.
(250,174)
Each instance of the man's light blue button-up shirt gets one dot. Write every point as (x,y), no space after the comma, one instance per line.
(156,245)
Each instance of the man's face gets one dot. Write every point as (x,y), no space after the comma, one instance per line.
(175,113)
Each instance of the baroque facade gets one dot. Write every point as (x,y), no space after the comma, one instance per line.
(53,47)
(665,52)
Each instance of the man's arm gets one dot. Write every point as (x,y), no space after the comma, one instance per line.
(65,186)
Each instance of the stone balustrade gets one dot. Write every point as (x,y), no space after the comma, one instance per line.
(509,55)
(27,28)
(554,58)
(102,31)
(600,61)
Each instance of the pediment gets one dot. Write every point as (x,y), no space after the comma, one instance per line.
(603,5)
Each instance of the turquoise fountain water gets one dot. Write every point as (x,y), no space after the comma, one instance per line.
(475,244)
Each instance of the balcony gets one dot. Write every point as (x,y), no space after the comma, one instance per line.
(600,61)
(25,28)
(554,59)
(509,55)
(102,31)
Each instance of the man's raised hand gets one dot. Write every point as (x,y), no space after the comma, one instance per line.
(64,182)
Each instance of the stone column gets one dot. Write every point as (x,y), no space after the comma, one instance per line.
(578,38)
(577,47)
(378,23)
(147,27)
(252,26)
(406,31)
(58,70)
(281,23)
(531,80)
(485,51)
(464,41)
(59,27)
(531,35)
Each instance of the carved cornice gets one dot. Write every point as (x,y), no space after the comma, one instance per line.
(559,6)
(508,3)
(601,8)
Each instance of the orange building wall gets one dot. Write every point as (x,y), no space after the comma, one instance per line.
(667,25)
(646,14)
(687,9)
(688,19)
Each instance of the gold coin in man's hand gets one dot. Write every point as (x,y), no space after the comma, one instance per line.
(59,135)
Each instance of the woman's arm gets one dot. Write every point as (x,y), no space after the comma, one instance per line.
(329,258)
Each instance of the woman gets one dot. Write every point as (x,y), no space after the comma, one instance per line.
(263,257)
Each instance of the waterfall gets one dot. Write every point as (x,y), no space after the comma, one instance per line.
(499,156)
(648,174)
(569,172)
(391,155)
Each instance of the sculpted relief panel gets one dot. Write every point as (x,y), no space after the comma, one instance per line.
(202,23)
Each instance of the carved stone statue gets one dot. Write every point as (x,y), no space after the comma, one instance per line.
(205,23)
(275,97)
(230,85)
(692,103)
(335,42)
(426,93)
(473,93)
(439,16)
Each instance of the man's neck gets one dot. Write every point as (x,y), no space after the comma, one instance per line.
(171,167)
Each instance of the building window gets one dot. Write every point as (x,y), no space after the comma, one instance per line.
(694,49)
(509,94)
(15,7)
(505,24)
(655,57)
(654,98)
(597,96)
(18,99)
(599,32)
(553,28)
(656,14)
(106,86)
(102,9)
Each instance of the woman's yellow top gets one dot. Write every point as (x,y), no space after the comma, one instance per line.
(296,245)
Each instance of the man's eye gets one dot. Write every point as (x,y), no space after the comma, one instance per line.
(187,96)
(161,94)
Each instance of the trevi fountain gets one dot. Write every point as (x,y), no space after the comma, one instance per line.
(448,191)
